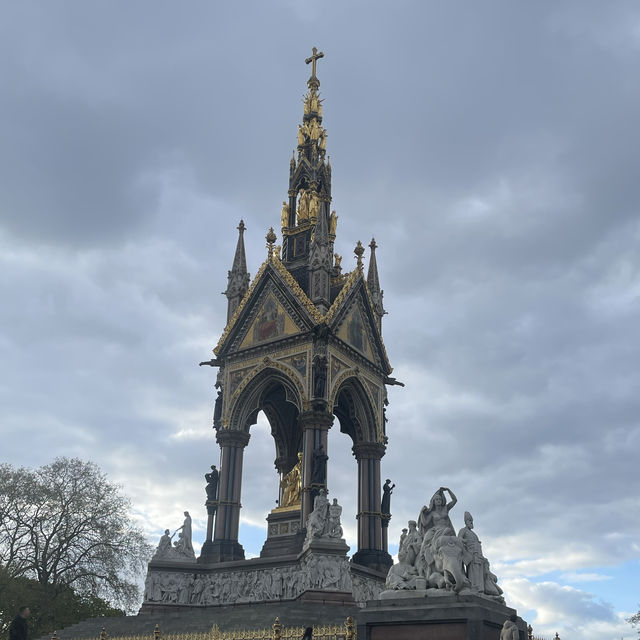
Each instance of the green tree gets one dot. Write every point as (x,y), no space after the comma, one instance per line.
(66,528)
(51,609)
(635,620)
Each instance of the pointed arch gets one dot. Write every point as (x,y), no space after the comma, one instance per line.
(354,408)
(274,388)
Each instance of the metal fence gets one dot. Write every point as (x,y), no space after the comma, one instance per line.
(344,631)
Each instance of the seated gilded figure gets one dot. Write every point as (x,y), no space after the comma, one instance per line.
(291,485)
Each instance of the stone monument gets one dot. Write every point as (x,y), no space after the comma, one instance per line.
(303,344)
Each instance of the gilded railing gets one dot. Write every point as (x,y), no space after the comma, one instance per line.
(344,631)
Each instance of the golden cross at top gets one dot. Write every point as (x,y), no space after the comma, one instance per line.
(313,59)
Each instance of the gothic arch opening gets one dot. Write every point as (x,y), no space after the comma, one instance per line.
(353,409)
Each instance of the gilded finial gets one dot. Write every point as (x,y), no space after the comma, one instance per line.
(271,238)
(277,629)
(359,250)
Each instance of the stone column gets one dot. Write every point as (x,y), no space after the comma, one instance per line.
(225,546)
(372,550)
(315,427)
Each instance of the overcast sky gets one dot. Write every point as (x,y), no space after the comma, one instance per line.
(493,150)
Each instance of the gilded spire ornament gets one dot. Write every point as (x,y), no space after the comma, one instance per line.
(359,251)
(271,238)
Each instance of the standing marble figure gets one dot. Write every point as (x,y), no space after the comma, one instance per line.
(184,545)
(475,568)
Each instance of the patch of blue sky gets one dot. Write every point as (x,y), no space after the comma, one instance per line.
(609,584)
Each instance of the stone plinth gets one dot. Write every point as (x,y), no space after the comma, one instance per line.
(445,617)
(284,536)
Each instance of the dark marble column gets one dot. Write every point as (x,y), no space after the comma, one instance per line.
(225,546)
(372,550)
(315,426)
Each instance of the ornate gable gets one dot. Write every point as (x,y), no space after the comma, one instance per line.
(353,320)
(271,310)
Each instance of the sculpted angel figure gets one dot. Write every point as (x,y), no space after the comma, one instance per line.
(300,135)
(284,215)
(303,206)
(333,223)
(314,206)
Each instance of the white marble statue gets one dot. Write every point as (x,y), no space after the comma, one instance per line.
(164,546)
(183,544)
(431,556)
(317,523)
(509,629)
(475,567)
(334,527)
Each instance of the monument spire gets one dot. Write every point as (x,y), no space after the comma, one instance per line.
(238,278)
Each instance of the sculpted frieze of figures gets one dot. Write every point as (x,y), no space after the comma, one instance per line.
(314,572)
(432,556)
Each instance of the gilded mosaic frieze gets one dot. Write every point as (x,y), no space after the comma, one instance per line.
(299,362)
(272,322)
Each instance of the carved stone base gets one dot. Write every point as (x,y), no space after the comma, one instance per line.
(373,558)
(333,546)
(449,617)
(283,534)
(221,551)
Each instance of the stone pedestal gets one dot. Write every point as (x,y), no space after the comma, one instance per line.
(283,533)
(375,558)
(221,551)
(409,616)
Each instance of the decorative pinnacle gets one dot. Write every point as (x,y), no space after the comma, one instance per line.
(271,238)
(372,245)
(359,250)
(241,227)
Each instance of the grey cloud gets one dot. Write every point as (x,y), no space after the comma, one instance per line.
(491,149)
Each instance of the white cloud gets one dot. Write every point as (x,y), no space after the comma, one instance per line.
(565,610)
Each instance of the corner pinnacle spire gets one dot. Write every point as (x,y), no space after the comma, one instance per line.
(373,283)
(238,278)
